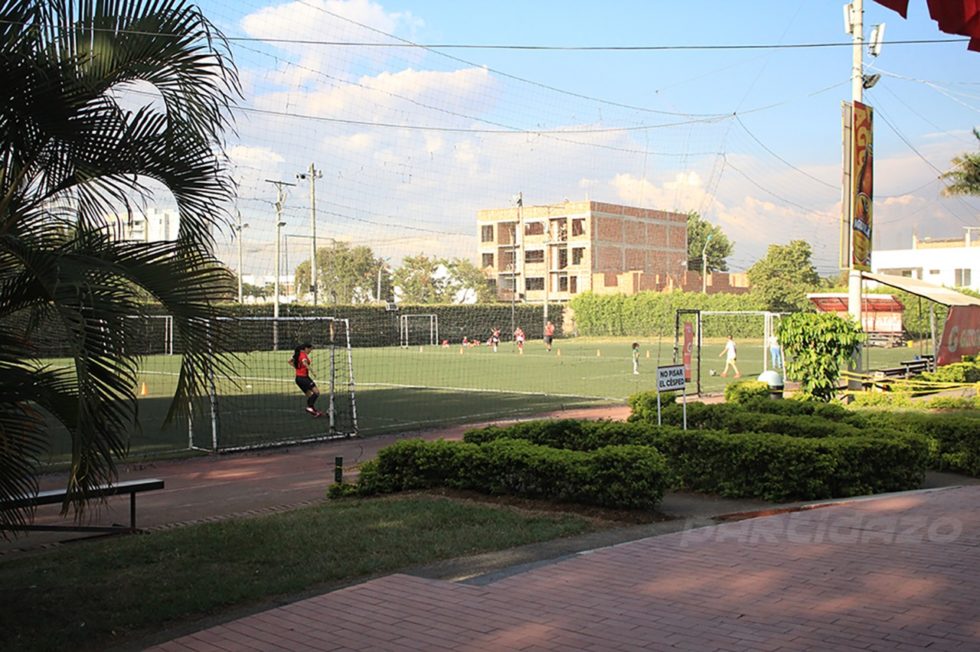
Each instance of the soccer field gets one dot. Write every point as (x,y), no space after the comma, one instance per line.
(405,389)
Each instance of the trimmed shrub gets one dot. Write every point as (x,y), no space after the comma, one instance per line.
(643,405)
(760,465)
(958,372)
(629,477)
(954,438)
(954,403)
(745,391)
(882,399)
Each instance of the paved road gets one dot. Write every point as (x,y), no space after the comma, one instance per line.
(890,573)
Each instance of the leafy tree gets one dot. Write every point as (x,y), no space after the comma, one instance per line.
(346,275)
(964,178)
(467,281)
(719,247)
(419,281)
(815,346)
(71,153)
(784,276)
(251,290)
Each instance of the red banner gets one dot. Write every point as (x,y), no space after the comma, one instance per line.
(688,348)
(961,336)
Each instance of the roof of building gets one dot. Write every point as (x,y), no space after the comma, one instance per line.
(937,293)
(837,302)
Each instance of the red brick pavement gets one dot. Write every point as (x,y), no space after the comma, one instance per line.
(890,573)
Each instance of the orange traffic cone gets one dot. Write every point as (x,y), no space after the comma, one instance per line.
(559,352)
(648,355)
(144,390)
(598,353)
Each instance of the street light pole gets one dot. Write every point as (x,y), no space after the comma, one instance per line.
(312,174)
(280,199)
(384,263)
(704,265)
(239,228)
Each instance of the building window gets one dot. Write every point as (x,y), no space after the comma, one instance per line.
(486,233)
(933,272)
(534,283)
(488,260)
(563,284)
(578,226)
(962,277)
(534,228)
(534,256)
(577,254)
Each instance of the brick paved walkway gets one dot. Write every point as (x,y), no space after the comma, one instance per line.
(892,573)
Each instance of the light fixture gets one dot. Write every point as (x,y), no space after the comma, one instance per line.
(867,81)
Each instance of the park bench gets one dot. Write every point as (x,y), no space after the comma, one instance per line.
(57,496)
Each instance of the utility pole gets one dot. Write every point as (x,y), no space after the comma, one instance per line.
(855,23)
(704,265)
(280,200)
(312,174)
(514,251)
(238,229)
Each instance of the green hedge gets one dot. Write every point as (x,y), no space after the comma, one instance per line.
(760,465)
(628,477)
(374,326)
(744,391)
(653,313)
(954,438)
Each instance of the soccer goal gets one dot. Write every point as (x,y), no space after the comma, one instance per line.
(417,330)
(751,329)
(254,401)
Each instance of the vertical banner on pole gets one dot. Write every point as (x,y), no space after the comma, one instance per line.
(862,186)
(688,348)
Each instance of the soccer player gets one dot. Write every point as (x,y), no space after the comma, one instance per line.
(304,377)
(495,338)
(519,338)
(730,355)
(636,358)
(549,335)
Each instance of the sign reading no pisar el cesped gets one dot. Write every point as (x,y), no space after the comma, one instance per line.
(670,378)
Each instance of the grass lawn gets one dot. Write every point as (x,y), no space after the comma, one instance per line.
(400,389)
(94,594)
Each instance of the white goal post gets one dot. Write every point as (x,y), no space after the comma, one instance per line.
(424,328)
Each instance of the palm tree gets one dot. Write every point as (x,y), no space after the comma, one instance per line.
(71,153)
(964,178)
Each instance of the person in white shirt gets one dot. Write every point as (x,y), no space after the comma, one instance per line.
(730,355)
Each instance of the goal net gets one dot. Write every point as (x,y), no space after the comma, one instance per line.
(750,329)
(417,330)
(255,402)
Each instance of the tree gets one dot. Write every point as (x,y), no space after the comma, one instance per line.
(784,276)
(719,248)
(815,346)
(419,281)
(346,275)
(71,153)
(467,281)
(964,178)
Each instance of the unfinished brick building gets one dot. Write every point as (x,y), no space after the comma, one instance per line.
(553,252)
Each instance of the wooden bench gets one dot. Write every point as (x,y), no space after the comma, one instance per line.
(57,496)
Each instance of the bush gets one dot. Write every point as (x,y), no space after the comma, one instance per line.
(746,391)
(954,403)
(643,405)
(958,372)
(882,399)
(760,465)
(954,438)
(629,477)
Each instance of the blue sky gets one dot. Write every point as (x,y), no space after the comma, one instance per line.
(413,141)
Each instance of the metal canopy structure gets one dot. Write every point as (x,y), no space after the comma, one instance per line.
(937,293)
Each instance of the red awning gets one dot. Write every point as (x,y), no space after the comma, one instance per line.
(837,302)
(960,17)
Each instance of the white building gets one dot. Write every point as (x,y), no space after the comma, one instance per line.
(155,225)
(951,262)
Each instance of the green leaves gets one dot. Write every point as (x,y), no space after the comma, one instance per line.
(719,248)
(70,154)
(783,277)
(815,346)
(964,178)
